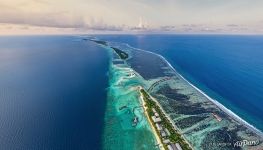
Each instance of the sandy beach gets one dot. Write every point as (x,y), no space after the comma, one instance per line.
(175,127)
(152,126)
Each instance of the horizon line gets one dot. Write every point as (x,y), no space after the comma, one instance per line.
(86,34)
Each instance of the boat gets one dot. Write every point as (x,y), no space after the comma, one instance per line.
(135,121)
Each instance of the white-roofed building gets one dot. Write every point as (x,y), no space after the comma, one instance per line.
(163,134)
(166,141)
(156,119)
(178,146)
(156,114)
(170,147)
(158,126)
(167,132)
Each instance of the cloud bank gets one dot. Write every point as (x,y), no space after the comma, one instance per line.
(137,16)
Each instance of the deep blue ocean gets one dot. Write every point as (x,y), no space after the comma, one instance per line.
(53,88)
(52,93)
(229,68)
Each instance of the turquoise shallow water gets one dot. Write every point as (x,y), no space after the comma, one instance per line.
(203,122)
(123,105)
(229,68)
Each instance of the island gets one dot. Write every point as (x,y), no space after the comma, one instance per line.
(167,133)
(99,42)
(122,54)
(151,106)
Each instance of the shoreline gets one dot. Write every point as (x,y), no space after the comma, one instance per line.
(221,106)
(168,117)
(230,114)
(148,119)
(152,137)
(173,126)
(156,139)
(218,104)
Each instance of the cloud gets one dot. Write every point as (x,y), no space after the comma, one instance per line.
(51,19)
(102,27)
(173,16)
(54,19)
(167,28)
(192,25)
(232,25)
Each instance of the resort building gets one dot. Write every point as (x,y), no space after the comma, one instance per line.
(170,147)
(158,126)
(163,134)
(156,114)
(154,111)
(174,146)
(167,131)
(156,119)
(166,141)
(178,146)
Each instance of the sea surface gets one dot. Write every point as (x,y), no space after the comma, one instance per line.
(61,92)
(52,93)
(201,120)
(229,68)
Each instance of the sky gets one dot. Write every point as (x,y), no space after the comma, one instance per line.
(131,16)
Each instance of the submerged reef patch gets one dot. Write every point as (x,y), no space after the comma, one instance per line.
(205,124)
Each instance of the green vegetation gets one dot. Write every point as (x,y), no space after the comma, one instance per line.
(175,137)
(121,53)
(100,42)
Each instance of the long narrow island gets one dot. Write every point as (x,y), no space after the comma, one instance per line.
(170,138)
(167,112)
